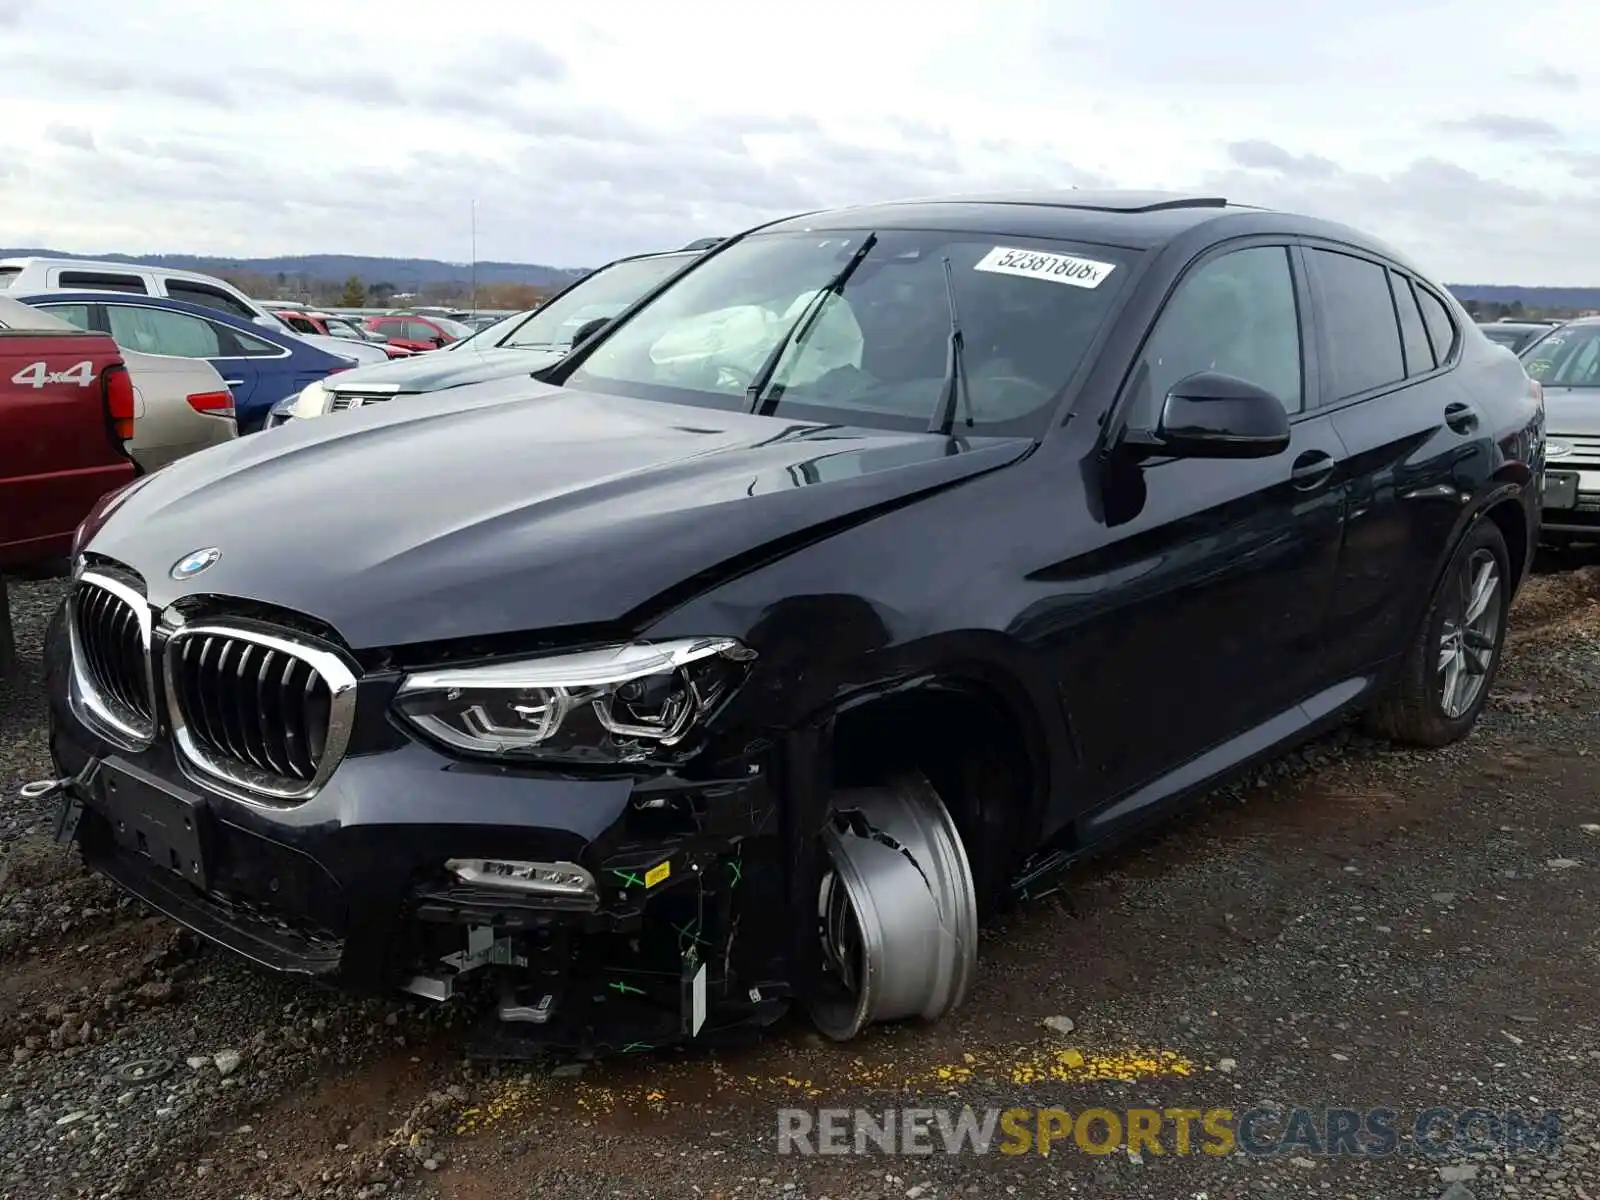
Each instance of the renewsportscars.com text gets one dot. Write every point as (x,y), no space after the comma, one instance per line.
(1259,1132)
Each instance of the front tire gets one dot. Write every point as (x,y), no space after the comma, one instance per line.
(1452,660)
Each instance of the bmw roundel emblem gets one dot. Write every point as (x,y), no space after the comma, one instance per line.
(194,562)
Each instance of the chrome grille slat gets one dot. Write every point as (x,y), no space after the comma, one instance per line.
(264,712)
(344,401)
(109,629)
(271,715)
(1585,452)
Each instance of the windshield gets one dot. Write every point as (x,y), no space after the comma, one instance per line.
(876,353)
(1569,357)
(602,294)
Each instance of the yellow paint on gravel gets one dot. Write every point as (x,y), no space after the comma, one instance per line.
(521,1097)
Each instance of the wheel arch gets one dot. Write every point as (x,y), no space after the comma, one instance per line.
(982,734)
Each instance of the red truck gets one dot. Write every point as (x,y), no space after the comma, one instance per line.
(67,407)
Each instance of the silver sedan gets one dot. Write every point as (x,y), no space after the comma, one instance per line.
(180,404)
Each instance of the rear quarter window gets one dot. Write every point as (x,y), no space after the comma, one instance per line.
(8,276)
(1441,325)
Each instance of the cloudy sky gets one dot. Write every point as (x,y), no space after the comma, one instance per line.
(1460,130)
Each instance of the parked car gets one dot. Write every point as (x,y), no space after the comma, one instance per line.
(412,331)
(67,411)
(259,365)
(884,561)
(516,345)
(1515,335)
(1566,362)
(21,275)
(342,329)
(181,405)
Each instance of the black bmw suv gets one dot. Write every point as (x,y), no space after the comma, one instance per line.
(844,587)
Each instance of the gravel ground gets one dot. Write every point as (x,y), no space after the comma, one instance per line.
(1355,927)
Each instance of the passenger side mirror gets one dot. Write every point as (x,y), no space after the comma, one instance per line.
(1211,415)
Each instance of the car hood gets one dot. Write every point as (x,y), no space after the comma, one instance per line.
(433,372)
(1572,411)
(513,506)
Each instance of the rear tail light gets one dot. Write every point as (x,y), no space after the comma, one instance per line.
(217,404)
(119,403)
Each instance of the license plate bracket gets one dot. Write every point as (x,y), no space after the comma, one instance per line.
(1560,490)
(150,818)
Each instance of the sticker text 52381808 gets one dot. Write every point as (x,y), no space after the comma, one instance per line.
(1040,264)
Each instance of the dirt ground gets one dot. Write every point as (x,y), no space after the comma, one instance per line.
(1353,927)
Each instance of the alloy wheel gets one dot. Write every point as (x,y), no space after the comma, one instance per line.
(1470,633)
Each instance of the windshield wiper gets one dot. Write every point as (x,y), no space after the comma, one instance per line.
(796,333)
(955,373)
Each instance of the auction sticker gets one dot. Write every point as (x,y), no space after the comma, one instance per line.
(1039,264)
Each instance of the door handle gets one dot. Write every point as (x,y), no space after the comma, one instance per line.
(233,382)
(1462,418)
(1311,470)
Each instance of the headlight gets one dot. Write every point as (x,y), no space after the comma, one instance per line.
(619,704)
(311,402)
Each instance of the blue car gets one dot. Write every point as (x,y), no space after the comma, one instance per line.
(260,365)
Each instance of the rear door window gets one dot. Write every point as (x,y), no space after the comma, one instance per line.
(8,276)
(1364,346)
(156,331)
(101,281)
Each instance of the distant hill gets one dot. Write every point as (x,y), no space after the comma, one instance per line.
(406,274)
(1529,297)
(414,274)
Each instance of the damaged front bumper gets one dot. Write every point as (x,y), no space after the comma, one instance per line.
(597,914)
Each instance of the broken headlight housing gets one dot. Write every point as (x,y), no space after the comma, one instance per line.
(620,704)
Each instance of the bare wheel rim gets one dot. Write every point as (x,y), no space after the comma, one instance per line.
(1470,633)
(897,911)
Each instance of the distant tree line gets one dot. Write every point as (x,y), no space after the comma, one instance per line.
(1515,310)
(356,292)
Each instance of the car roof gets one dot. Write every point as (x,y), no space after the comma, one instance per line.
(684,253)
(1135,220)
(107,266)
(109,295)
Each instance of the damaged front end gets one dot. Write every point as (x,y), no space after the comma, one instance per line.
(586,842)
(650,942)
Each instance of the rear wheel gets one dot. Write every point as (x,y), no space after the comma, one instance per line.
(1444,680)
(897,911)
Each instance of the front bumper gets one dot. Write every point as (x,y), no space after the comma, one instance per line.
(1570,500)
(690,922)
